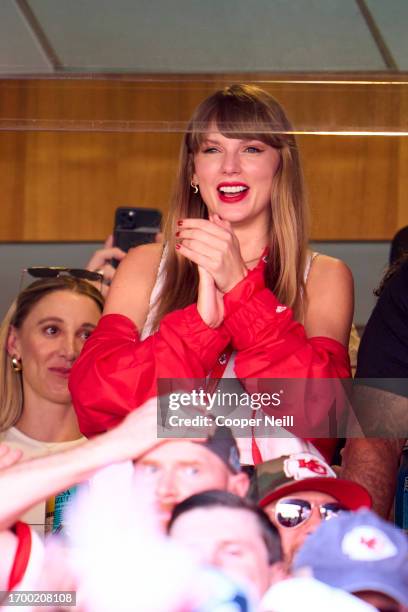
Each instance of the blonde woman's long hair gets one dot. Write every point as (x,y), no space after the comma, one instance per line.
(11,382)
(242,112)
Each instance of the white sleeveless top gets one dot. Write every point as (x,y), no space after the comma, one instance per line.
(269,447)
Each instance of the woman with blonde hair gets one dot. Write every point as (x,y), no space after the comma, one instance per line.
(40,337)
(236,290)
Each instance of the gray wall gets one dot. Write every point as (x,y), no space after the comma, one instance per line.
(367,261)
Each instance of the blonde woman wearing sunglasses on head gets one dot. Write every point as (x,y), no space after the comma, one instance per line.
(40,337)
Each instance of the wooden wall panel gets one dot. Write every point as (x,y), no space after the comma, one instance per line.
(402,215)
(70,152)
(66,186)
(352,186)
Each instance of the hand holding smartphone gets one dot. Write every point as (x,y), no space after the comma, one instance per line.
(134,226)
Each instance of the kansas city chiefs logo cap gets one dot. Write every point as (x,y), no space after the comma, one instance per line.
(306,465)
(366,543)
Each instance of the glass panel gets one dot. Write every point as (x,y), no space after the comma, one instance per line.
(157,104)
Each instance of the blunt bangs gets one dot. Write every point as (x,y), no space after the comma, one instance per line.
(241,113)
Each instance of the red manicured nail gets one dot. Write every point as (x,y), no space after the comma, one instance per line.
(178,234)
(178,245)
(179,222)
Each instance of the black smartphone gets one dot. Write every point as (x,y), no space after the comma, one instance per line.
(134,226)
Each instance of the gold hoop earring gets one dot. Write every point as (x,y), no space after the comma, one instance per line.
(194,186)
(16,364)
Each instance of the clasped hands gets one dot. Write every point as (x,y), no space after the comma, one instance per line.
(214,247)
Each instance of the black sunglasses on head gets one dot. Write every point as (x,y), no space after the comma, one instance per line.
(57,271)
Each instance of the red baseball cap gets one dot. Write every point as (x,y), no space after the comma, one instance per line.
(305,472)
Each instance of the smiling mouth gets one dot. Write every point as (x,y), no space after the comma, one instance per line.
(232,192)
(61,371)
(233,189)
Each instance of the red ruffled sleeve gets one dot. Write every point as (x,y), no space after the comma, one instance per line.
(271,344)
(117,372)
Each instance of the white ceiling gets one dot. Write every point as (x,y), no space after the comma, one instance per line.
(182,36)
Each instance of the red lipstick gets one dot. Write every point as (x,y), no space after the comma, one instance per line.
(232,192)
